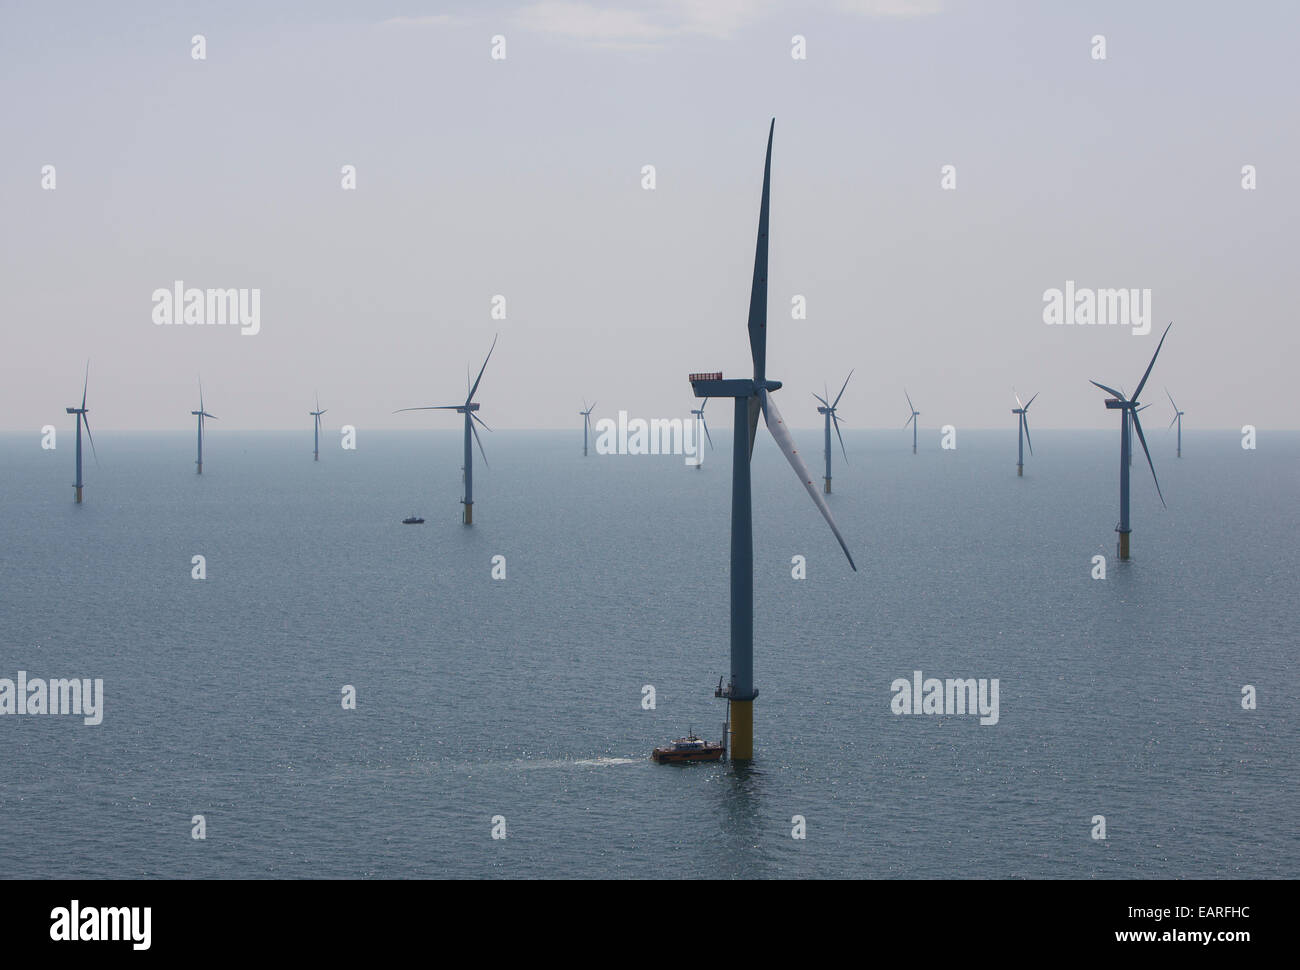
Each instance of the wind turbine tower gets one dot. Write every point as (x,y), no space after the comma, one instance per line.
(698,414)
(1178,419)
(1023,411)
(586,424)
(201,414)
(828,409)
(82,418)
(316,439)
(1128,408)
(912,420)
(469,409)
(752,397)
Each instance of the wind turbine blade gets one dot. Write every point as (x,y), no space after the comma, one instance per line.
(754,407)
(758,290)
(781,433)
(822,399)
(1137,426)
(1171,398)
(909,420)
(1109,390)
(85,386)
(1028,440)
(593,406)
(706,429)
(1173,422)
(836,421)
(474,415)
(1031,400)
(480,442)
(909,400)
(86,418)
(470,396)
(1138,393)
(436,407)
(1019,404)
(841,394)
(212,416)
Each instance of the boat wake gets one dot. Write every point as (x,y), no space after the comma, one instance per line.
(574,762)
(534,764)
(602,762)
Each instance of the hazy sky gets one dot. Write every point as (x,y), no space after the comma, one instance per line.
(522,177)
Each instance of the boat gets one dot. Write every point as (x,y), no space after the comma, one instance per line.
(689,748)
(413,520)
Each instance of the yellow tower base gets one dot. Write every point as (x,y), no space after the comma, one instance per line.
(828,486)
(78,493)
(1123,546)
(1020,470)
(469,513)
(742,730)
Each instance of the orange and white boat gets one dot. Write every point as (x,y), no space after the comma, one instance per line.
(689,748)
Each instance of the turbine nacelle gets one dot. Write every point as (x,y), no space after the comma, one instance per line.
(712,385)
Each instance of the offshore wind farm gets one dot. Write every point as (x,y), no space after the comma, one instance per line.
(1096,676)
(960,674)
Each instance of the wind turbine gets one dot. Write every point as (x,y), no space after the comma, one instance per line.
(468,409)
(1023,411)
(828,409)
(81,414)
(586,425)
(752,396)
(201,414)
(1128,409)
(912,419)
(699,414)
(316,414)
(1178,419)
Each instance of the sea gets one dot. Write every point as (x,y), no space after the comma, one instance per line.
(346,696)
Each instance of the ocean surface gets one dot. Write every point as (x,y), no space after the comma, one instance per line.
(522,697)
